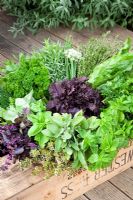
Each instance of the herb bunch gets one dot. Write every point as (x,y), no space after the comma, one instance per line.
(96,51)
(4,98)
(71,96)
(53,57)
(48,161)
(114,77)
(70,131)
(29,74)
(14,143)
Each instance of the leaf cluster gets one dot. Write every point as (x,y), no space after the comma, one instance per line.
(28,74)
(53,57)
(114,77)
(47,161)
(71,96)
(21,108)
(87,143)
(14,143)
(96,51)
(14,140)
(66,132)
(4,98)
(80,13)
(114,132)
(65,138)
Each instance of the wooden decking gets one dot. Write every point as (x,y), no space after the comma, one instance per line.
(119,187)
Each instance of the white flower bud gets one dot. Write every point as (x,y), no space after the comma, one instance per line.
(73,54)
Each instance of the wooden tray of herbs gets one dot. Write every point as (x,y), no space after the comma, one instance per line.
(59,139)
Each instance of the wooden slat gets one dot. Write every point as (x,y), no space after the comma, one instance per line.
(6,17)
(69,189)
(60,33)
(42,35)
(124,182)
(25,42)
(106,191)
(39,37)
(15,181)
(86,32)
(82,198)
(2,59)
(8,49)
(64,33)
(122,33)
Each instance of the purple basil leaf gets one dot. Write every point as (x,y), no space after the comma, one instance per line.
(15,144)
(70,96)
(19,150)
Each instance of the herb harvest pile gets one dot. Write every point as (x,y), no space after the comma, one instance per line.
(56,116)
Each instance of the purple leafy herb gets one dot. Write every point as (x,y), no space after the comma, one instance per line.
(14,143)
(70,96)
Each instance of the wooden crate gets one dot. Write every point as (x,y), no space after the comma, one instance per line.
(18,185)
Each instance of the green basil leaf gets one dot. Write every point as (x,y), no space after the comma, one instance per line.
(83,133)
(76,164)
(37,106)
(57,119)
(75,146)
(35,129)
(93,158)
(47,133)
(66,135)
(32,118)
(47,116)
(58,144)
(77,120)
(41,139)
(82,159)
(41,117)
(69,151)
(93,122)
(53,128)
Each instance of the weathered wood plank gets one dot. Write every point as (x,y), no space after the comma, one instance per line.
(124,182)
(69,189)
(86,32)
(2,59)
(25,42)
(106,191)
(63,33)
(82,198)
(8,49)
(7,18)
(42,35)
(39,37)
(15,181)
(122,33)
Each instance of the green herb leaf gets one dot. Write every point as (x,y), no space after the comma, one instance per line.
(58,144)
(82,159)
(93,158)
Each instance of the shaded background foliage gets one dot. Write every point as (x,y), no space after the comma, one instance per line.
(34,14)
